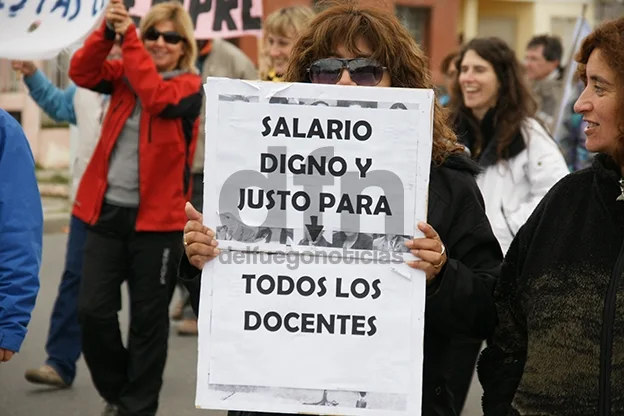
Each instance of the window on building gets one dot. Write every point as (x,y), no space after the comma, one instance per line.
(416,21)
(503,28)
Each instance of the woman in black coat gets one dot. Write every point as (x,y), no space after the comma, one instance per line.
(459,254)
(559,346)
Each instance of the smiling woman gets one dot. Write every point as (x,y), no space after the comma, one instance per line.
(282,28)
(131,193)
(601,102)
(494,115)
(168,37)
(559,344)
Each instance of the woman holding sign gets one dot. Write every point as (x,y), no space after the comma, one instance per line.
(350,44)
(131,196)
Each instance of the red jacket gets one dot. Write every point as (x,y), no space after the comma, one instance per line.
(168,129)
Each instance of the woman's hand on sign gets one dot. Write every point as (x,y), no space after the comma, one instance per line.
(199,241)
(431,251)
(27,68)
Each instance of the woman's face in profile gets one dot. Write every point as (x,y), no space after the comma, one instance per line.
(345,78)
(599,104)
(479,84)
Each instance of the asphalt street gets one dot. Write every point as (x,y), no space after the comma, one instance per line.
(19,398)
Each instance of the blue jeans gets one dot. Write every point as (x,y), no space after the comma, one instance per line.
(63,346)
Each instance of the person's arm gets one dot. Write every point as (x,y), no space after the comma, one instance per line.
(460,301)
(177,97)
(21,234)
(89,67)
(546,166)
(57,103)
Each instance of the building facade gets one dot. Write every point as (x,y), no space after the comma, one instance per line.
(430,22)
(516,21)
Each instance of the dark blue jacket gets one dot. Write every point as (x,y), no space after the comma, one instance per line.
(21,233)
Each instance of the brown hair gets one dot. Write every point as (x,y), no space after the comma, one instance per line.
(286,20)
(609,38)
(553,50)
(345,23)
(514,104)
(447,61)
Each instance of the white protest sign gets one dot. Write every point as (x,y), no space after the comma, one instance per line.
(336,164)
(281,337)
(288,316)
(41,29)
(312,191)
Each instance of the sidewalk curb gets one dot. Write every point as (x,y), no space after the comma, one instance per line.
(53,190)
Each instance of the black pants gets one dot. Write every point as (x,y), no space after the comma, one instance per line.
(129,377)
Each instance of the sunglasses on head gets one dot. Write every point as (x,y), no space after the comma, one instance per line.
(172,38)
(363,71)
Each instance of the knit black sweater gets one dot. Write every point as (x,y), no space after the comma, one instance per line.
(559,345)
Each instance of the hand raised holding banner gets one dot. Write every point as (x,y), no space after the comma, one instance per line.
(32,28)
(26,68)
(117,16)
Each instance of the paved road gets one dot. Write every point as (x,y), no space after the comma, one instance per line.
(19,398)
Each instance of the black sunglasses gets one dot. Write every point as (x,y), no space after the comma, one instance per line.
(363,71)
(172,38)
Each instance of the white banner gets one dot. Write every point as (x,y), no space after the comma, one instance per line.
(313,190)
(41,29)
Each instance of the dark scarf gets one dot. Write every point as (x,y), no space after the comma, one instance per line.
(486,155)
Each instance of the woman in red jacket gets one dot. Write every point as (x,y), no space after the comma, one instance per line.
(132,195)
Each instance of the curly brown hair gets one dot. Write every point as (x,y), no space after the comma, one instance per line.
(515,102)
(609,38)
(344,23)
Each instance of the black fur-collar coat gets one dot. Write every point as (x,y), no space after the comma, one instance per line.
(559,346)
